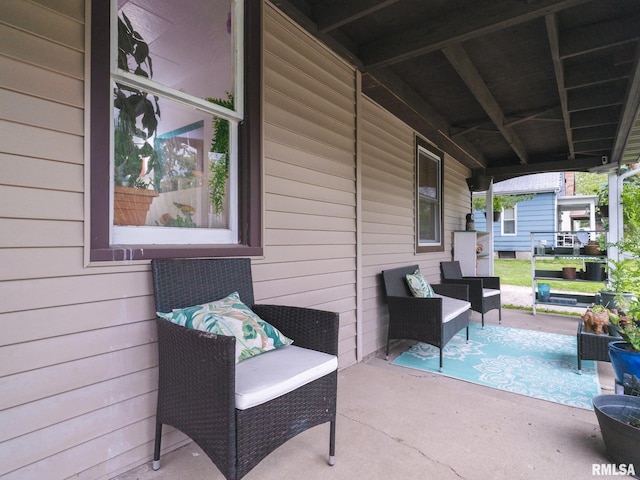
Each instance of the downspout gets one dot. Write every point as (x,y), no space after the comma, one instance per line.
(359,283)
(616,226)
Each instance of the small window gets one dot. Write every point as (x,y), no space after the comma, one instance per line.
(429,216)
(509,221)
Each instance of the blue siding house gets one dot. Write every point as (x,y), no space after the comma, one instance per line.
(511,233)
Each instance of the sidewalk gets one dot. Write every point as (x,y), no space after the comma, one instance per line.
(521,297)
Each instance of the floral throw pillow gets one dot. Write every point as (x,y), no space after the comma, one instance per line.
(229,316)
(419,285)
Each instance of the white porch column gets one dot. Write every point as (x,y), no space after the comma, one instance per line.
(615,214)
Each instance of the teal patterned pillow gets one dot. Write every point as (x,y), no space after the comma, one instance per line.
(419,285)
(229,316)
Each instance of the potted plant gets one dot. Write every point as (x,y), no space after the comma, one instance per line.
(619,415)
(625,354)
(219,155)
(136,123)
(619,420)
(624,273)
(622,282)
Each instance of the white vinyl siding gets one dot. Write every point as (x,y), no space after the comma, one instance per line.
(388,209)
(309,179)
(78,358)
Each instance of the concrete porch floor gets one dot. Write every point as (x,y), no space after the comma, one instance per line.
(397,423)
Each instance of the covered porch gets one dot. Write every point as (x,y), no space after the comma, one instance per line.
(395,422)
(346,91)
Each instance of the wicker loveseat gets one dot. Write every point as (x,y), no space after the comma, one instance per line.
(433,320)
(201,386)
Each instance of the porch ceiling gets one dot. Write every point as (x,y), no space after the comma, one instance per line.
(509,87)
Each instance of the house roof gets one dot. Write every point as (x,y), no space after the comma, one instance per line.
(536,183)
(506,87)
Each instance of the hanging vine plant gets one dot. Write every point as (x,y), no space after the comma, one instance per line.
(219,168)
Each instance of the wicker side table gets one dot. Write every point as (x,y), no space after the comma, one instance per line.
(592,346)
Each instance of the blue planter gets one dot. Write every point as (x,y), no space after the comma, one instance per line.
(544,292)
(624,360)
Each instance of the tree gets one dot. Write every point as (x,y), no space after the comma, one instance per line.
(479,202)
(590,183)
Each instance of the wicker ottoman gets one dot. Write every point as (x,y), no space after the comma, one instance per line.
(592,346)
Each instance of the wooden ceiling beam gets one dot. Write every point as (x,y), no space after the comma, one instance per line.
(482,17)
(554,45)
(574,165)
(518,119)
(595,97)
(461,62)
(510,121)
(595,117)
(397,97)
(594,146)
(346,12)
(582,40)
(593,74)
(595,133)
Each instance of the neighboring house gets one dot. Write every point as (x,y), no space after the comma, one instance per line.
(511,232)
(549,210)
(334,193)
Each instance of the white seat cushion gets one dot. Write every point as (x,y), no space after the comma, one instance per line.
(274,373)
(489,292)
(452,307)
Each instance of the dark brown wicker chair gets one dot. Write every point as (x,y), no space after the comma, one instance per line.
(484,291)
(421,319)
(196,390)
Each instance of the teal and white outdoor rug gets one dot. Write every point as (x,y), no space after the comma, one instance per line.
(536,364)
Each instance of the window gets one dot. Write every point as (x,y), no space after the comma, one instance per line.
(175,126)
(509,221)
(429,217)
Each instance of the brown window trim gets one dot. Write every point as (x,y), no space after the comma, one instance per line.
(249,151)
(428,146)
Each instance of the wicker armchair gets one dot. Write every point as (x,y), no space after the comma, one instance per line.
(197,370)
(433,320)
(484,292)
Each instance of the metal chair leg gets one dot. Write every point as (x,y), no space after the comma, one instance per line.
(156,450)
(332,443)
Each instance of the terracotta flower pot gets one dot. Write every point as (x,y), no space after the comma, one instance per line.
(130,205)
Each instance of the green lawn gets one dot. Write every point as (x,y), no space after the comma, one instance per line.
(518,272)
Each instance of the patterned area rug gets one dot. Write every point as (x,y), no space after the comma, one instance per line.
(536,364)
